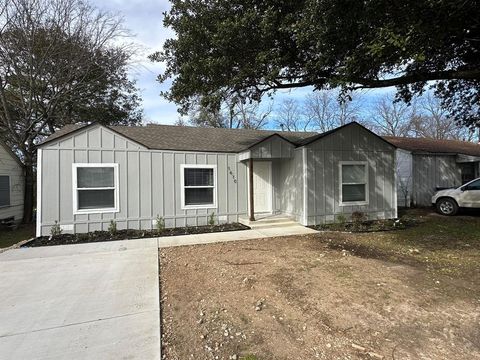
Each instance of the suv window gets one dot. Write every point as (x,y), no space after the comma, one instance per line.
(474,185)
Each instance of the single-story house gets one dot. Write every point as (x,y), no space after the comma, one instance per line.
(427,165)
(89,175)
(12,178)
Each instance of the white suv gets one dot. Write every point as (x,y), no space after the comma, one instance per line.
(448,201)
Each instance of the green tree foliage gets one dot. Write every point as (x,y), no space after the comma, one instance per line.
(249,48)
(61,62)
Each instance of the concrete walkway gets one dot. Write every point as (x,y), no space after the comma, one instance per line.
(86,301)
(168,241)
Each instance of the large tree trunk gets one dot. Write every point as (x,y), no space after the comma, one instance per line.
(28,200)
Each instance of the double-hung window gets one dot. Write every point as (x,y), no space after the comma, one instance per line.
(353,183)
(198,186)
(95,188)
(4,190)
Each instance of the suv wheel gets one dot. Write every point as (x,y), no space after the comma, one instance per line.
(447,206)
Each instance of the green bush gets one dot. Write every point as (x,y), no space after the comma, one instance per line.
(160,223)
(211,219)
(56,229)
(358,217)
(358,220)
(341,219)
(112,228)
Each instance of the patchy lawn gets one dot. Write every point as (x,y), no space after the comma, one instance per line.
(11,237)
(441,245)
(410,294)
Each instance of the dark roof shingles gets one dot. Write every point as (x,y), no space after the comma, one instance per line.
(167,137)
(435,146)
(187,138)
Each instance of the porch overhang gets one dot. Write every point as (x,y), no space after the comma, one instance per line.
(272,147)
(461,158)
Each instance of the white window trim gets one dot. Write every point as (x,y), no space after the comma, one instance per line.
(75,189)
(183,187)
(39,193)
(340,180)
(305,186)
(9,191)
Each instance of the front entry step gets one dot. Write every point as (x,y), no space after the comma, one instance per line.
(269,222)
(255,225)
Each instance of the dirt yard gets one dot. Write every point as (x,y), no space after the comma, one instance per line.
(411,294)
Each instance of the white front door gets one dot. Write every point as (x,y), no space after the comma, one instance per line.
(262,186)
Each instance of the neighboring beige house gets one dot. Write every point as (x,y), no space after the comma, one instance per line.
(11,185)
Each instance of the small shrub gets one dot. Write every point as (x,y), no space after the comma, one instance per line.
(358,220)
(211,219)
(408,220)
(56,229)
(82,237)
(160,224)
(341,219)
(112,228)
(358,217)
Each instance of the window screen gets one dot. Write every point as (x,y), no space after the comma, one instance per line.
(96,188)
(95,177)
(198,186)
(354,183)
(96,199)
(198,177)
(4,191)
(198,196)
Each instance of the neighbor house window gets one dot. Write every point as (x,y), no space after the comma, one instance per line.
(353,183)
(198,186)
(4,190)
(467,172)
(95,188)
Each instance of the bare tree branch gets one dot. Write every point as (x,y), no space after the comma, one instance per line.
(391,118)
(61,61)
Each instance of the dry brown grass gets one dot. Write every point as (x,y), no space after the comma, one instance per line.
(405,295)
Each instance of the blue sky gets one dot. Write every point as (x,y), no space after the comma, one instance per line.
(144,19)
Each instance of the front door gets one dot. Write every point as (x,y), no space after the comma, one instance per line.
(262,186)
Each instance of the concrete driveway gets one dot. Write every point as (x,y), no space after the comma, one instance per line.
(88,301)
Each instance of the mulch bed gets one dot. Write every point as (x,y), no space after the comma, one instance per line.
(98,236)
(368,225)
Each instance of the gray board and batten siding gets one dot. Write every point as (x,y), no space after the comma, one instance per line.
(351,143)
(307,178)
(287,173)
(431,172)
(148,183)
(305,175)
